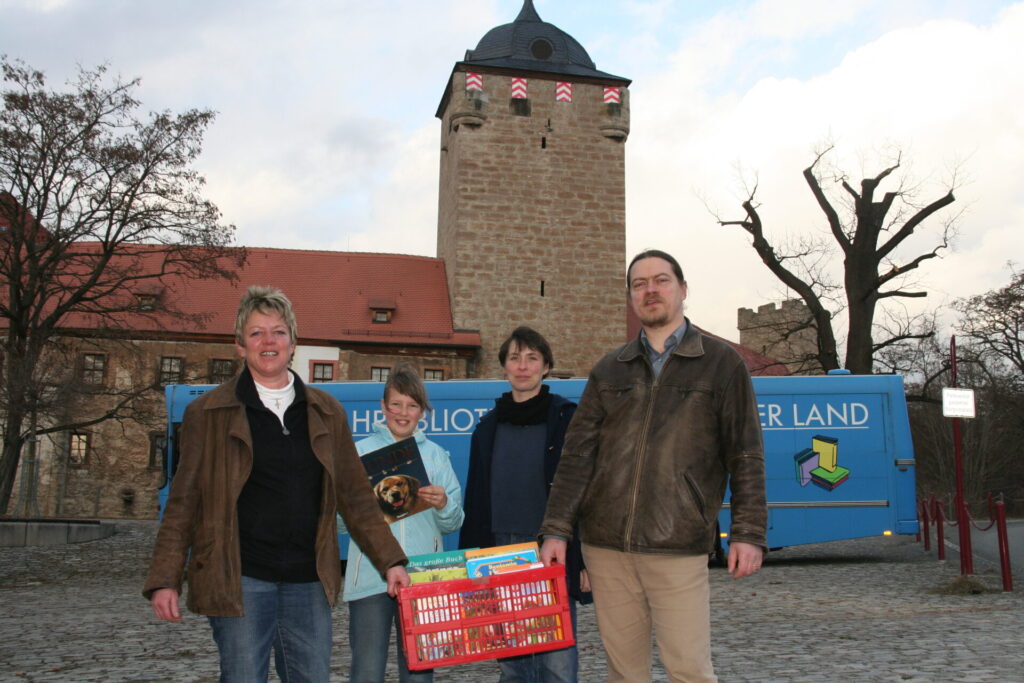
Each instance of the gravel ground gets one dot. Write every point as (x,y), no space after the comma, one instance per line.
(865,610)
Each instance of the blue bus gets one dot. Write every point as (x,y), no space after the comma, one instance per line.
(838,454)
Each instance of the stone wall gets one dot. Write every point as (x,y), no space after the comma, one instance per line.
(785,333)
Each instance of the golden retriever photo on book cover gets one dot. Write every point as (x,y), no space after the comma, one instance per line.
(396,474)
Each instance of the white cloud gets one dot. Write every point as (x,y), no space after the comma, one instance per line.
(403,215)
(41,6)
(947,93)
(326,136)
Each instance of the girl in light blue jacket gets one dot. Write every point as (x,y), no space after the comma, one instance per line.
(371,610)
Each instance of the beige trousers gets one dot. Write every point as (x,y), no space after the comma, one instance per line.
(634,592)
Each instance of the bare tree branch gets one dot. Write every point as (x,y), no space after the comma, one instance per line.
(98,205)
(859,233)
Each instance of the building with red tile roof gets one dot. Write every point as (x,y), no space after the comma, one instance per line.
(346,300)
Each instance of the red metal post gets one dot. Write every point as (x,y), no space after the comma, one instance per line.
(962,515)
(926,526)
(1004,547)
(940,528)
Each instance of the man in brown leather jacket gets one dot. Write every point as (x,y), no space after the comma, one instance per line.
(664,424)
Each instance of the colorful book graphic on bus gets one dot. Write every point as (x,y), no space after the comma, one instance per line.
(819,464)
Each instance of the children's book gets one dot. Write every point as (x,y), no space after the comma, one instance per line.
(396,474)
(450,573)
(445,566)
(484,561)
(442,559)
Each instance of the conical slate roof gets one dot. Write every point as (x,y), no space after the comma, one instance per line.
(529,44)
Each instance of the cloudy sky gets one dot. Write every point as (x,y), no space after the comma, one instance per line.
(326,136)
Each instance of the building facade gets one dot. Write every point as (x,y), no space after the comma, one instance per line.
(358,314)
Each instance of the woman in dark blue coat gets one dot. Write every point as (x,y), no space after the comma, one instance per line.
(513,456)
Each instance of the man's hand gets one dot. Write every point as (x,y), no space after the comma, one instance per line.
(744,559)
(434,495)
(396,578)
(553,551)
(165,604)
(584,581)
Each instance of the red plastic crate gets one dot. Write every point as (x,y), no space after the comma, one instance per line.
(466,620)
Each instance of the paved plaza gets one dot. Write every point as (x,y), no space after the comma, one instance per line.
(865,610)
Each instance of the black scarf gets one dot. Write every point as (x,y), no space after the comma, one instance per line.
(532,411)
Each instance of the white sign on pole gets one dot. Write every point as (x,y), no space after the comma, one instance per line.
(957,402)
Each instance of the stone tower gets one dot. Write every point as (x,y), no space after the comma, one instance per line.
(531,215)
(785,333)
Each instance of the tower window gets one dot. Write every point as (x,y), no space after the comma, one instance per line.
(541,48)
(519,106)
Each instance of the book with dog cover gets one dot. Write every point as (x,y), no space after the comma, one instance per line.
(396,474)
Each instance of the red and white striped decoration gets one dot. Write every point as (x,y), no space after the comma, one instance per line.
(612,96)
(474,81)
(563,91)
(519,89)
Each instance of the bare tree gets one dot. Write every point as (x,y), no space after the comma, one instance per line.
(994,322)
(99,209)
(990,464)
(868,229)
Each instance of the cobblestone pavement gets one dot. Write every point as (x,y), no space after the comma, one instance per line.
(864,610)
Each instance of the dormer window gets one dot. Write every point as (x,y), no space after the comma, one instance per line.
(147,296)
(381,309)
(147,302)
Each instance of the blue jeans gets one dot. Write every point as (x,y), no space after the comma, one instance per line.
(369,633)
(293,619)
(555,666)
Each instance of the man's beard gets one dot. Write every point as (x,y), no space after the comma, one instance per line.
(658,318)
(655,319)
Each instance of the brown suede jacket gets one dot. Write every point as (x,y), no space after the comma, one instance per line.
(202,513)
(646,461)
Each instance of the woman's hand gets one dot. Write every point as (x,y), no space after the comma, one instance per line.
(165,604)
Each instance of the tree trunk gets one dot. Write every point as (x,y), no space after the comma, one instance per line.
(859,341)
(10,457)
